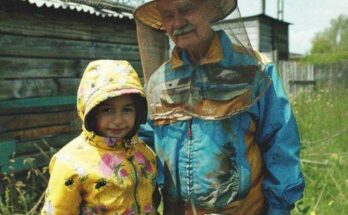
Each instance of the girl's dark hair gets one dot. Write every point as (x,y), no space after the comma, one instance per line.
(140,105)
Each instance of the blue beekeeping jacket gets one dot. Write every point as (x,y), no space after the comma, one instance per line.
(224,133)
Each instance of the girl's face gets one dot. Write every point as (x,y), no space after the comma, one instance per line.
(115,117)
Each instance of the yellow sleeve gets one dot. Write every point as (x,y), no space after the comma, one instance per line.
(62,195)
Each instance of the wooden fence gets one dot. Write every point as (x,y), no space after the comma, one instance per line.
(306,77)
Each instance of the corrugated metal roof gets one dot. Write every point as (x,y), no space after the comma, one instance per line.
(103,8)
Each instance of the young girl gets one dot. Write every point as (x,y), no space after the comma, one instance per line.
(107,169)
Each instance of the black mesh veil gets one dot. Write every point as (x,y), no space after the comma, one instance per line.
(234,27)
(181,99)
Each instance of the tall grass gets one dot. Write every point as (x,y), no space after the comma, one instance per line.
(22,195)
(23,192)
(322,117)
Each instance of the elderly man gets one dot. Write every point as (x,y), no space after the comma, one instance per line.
(223,128)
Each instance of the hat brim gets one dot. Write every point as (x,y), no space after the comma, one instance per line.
(149,15)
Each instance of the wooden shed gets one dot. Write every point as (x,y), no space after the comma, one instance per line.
(267,34)
(44,47)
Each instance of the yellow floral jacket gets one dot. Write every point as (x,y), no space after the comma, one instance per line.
(97,175)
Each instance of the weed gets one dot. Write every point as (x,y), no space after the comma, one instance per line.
(23,192)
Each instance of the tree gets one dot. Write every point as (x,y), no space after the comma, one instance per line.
(330,45)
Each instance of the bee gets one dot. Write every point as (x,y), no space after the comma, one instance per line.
(100,183)
(69,182)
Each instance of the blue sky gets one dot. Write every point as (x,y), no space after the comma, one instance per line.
(307,17)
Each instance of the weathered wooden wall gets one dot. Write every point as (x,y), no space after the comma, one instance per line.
(43,52)
(274,35)
(49,48)
(31,128)
(265,33)
(231,27)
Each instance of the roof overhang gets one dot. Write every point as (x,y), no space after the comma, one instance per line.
(103,8)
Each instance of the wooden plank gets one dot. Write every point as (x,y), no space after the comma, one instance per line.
(34,133)
(22,46)
(65,24)
(25,121)
(18,156)
(27,88)
(16,89)
(44,144)
(302,82)
(22,68)
(4,111)
(25,163)
(69,86)
(27,68)
(39,102)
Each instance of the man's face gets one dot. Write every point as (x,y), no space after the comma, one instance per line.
(187,22)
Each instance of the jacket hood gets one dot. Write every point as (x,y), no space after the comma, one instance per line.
(104,79)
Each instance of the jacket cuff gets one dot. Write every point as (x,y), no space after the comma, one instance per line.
(277,211)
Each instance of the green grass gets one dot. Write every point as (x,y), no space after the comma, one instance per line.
(322,117)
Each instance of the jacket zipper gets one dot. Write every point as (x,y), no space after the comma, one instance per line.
(188,170)
(189,135)
(135,186)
